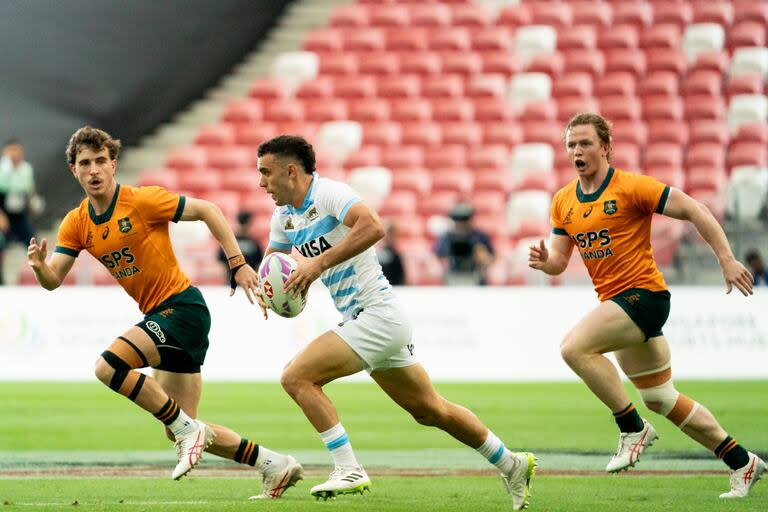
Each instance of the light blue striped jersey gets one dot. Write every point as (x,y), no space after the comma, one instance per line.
(317,226)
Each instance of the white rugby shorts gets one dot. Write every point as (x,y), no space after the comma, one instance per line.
(381,335)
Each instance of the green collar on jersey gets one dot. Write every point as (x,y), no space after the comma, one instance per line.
(588,198)
(104,217)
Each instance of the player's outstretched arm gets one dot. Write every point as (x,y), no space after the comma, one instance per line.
(240,272)
(366,231)
(551,261)
(49,274)
(682,206)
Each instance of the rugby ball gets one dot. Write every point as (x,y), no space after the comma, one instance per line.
(274,271)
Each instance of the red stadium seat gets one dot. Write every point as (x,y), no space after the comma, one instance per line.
(338,64)
(243,111)
(450,39)
(245,182)
(663,154)
(379,63)
(443,86)
(705,154)
(619,36)
(307,129)
(323,40)
(491,39)
(635,132)
(751,10)
(389,16)
(399,86)
(661,36)
(585,13)
(486,86)
(630,60)
(166,178)
(458,180)
(493,109)
(707,131)
(405,156)
(350,16)
(421,133)
(457,109)
(267,89)
(660,83)
(748,83)
(373,109)
(549,132)
(319,88)
(354,87)
(462,63)
(283,111)
(199,182)
(679,14)
(714,12)
(488,157)
(431,15)
(471,15)
(420,63)
(662,107)
(221,134)
(756,132)
(414,179)
(494,179)
(400,203)
(665,59)
(437,204)
(515,16)
(746,34)
(672,176)
(501,62)
(621,107)
(578,36)
(625,155)
(703,106)
(551,64)
(537,180)
(412,40)
(365,156)
(577,83)
(364,40)
(706,178)
(541,110)
(489,202)
(411,109)
(324,111)
(748,153)
(382,133)
(668,130)
(638,14)
(445,157)
(466,133)
(617,83)
(230,157)
(588,61)
(705,83)
(505,134)
(555,14)
(189,157)
(712,60)
(254,134)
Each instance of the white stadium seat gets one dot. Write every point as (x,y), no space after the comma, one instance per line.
(533,40)
(747,109)
(295,67)
(525,88)
(702,37)
(750,60)
(339,138)
(747,192)
(527,204)
(534,156)
(372,183)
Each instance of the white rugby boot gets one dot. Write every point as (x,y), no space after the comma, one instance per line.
(518,481)
(744,478)
(278,477)
(343,480)
(631,445)
(190,447)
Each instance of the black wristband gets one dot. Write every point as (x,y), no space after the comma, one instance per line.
(232,272)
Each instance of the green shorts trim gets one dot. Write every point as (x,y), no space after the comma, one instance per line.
(179,327)
(649,310)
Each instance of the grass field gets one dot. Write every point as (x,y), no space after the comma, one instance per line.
(65,445)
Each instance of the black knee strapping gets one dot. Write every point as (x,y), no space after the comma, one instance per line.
(121,369)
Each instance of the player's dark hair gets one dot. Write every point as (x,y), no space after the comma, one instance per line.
(752,255)
(94,139)
(293,146)
(13,141)
(602,127)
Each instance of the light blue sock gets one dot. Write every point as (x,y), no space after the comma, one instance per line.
(495,452)
(337,442)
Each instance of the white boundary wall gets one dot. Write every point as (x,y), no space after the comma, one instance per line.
(461,334)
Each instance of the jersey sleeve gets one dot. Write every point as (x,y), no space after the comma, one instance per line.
(558,228)
(649,194)
(337,198)
(67,240)
(277,237)
(157,205)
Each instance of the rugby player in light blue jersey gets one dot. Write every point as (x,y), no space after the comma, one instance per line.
(335,232)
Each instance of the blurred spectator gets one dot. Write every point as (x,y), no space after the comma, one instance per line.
(250,247)
(465,251)
(389,257)
(17,197)
(755,265)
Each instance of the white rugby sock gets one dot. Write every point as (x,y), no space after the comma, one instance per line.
(337,442)
(182,425)
(495,452)
(266,457)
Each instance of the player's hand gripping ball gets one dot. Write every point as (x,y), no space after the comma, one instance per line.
(274,271)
